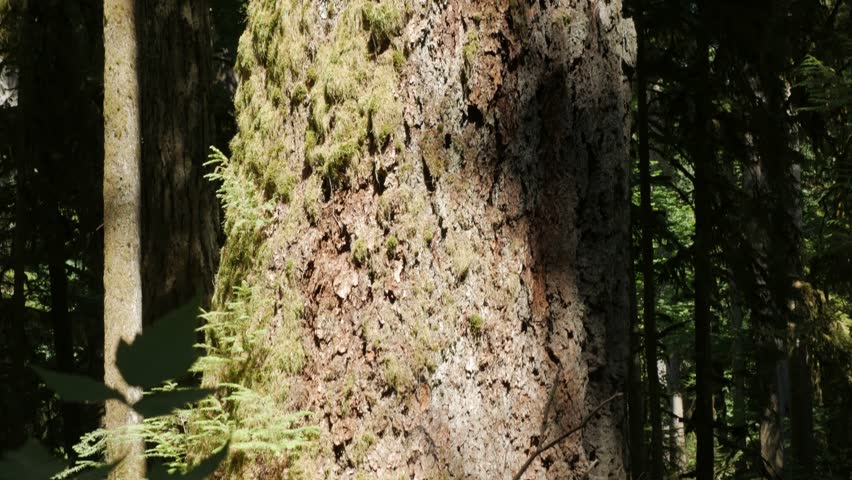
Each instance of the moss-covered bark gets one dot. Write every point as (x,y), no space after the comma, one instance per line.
(428,202)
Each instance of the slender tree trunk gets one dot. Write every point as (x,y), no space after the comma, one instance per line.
(18,345)
(802,396)
(648,298)
(18,339)
(63,344)
(738,367)
(703,158)
(122,278)
(678,431)
(180,213)
(635,392)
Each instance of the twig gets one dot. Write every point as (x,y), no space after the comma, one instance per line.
(538,451)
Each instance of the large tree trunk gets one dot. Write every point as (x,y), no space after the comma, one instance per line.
(451,195)
(180,215)
(122,279)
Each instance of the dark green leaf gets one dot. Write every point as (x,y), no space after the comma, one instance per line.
(165,351)
(30,462)
(204,470)
(162,403)
(75,388)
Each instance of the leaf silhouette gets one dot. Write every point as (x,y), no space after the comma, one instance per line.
(164,351)
(30,462)
(76,388)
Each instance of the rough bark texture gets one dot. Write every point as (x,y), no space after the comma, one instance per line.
(180,215)
(451,218)
(122,279)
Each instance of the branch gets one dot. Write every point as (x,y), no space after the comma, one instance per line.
(562,437)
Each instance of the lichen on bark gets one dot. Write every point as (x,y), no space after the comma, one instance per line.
(448,191)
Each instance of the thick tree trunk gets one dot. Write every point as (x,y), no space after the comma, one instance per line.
(122,279)
(452,209)
(180,214)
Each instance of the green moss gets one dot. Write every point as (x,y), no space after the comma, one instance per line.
(300,93)
(385,109)
(310,139)
(476,323)
(390,245)
(362,446)
(471,47)
(398,375)
(311,199)
(360,252)
(398,60)
(462,258)
(428,234)
(383,22)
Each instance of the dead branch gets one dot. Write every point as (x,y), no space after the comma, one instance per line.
(547,446)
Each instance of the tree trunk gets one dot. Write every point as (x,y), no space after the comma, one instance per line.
(18,340)
(180,214)
(449,230)
(649,315)
(678,432)
(784,226)
(63,342)
(738,369)
(122,279)
(20,415)
(703,159)
(635,392)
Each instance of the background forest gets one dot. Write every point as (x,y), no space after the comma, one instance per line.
(737,355)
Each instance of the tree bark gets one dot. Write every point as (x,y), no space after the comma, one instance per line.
(122,278)
(180,214)
(457,244)
(703,159)
(63,342)
(649,315)
(18,345)
(738,368)
(635,392)
(678,432)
